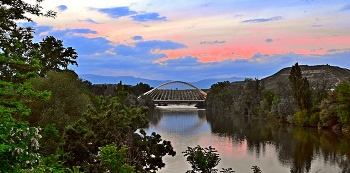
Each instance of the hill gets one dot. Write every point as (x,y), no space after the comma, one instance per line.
(333,75)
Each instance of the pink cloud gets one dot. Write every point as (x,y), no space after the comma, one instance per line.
(236,50)
(232,47)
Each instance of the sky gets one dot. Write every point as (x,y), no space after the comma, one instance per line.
(198,39)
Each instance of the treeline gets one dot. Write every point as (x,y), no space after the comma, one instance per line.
(130,99)
(50,121)
(298,101)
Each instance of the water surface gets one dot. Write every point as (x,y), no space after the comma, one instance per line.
(244,142)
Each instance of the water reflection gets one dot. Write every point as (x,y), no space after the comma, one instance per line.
(297,148)
(182,121)
(244,142)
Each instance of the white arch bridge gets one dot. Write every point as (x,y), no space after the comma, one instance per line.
(176,92)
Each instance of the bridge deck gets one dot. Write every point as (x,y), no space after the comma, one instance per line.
(176,95)
(171,92)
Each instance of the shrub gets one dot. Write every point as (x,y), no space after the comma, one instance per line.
(202,159)
(300,118)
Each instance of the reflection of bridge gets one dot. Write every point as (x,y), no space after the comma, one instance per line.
(176,92)
(189,122)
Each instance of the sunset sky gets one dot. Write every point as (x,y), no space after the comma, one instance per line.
(197,39)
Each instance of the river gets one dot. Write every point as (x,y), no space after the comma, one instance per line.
(243,142)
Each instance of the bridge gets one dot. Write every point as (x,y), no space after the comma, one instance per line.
(176,92)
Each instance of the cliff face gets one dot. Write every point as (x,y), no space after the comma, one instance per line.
(333,75)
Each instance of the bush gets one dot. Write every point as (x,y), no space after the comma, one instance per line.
(202,159)
(314,119)
(301,118)
(114,160)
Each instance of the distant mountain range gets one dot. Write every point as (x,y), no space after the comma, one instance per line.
(315,74)
(129,80)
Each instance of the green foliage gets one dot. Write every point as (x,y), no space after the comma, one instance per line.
(220,96)
(51,163)
(251,96)
(328,114)
(114,160)
(18,144)
(134,95)
(314,119)
(50,140)
(319,93)
(343,102)
(111,122)
(268,98)
(300,89)
(301,118)
(122,91)
(242,98)
(67,103)
(154,148)
(139,89)
(145,101)
(18,63)
(202,159)
(302,96)
(14,96)
(53,56)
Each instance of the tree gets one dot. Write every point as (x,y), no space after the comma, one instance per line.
(343,102)
(67,103)
(219,97)
(300,89)
(18,63)
(111,122)
(202,159)
(139,89)
(251,96)
(18,144)
(302,96)
(283,104)
(53,56)
(114,160)
(266,103)
(319,93)
(328,114)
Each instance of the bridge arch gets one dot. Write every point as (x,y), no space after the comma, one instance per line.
(176,91)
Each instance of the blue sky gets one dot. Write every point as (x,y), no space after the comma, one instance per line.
(199,39)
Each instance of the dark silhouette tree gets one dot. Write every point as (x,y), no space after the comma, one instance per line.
(300,89)
(54,56)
